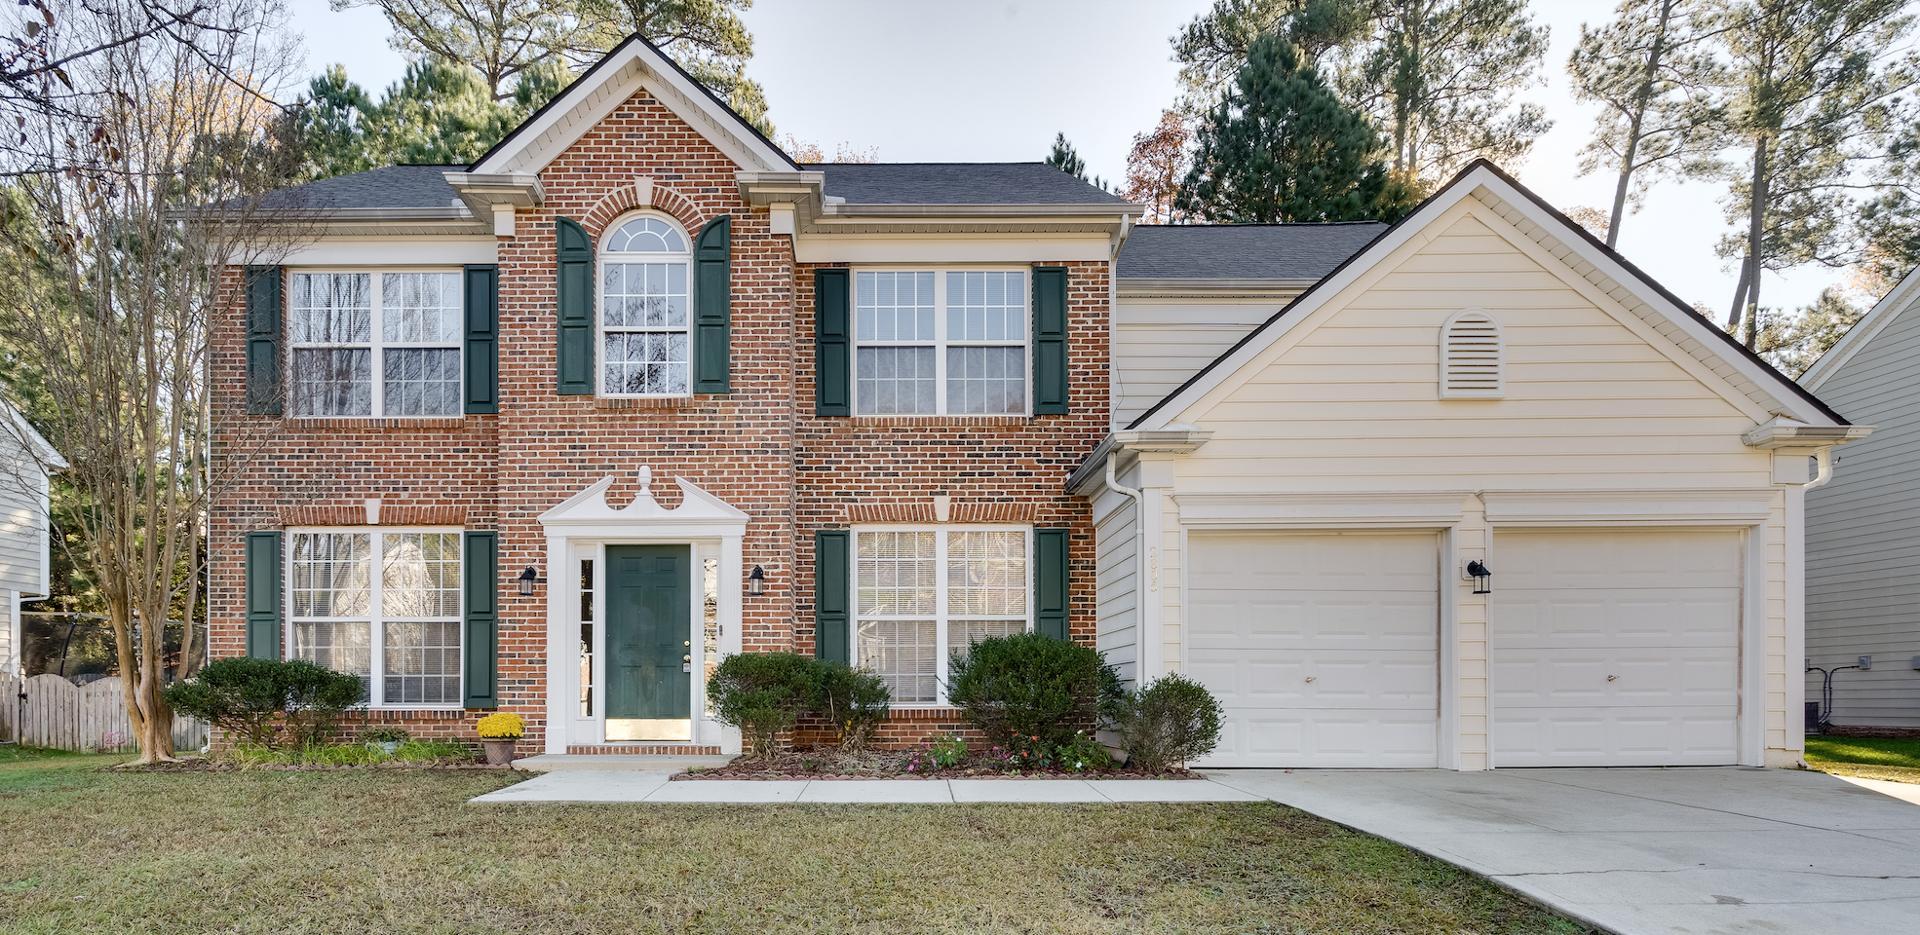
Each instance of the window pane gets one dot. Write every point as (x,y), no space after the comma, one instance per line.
(646,235)
(901,652)
(422,382)
(894,574)
(331,308)
(330,574)
(332,382)
(420,575)
(895,380)
(650,362)
(644,295)
(421,663)
(986,306)
(962,634)
(340,645)
(987,574)
(893,306)
(987,380)
(421,307)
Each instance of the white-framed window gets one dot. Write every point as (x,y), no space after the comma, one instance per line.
(383,604)
(922,594)
(645,338)
(375,343)
(940,342)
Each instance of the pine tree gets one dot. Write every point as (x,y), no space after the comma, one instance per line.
(1281,147)
(1065,158)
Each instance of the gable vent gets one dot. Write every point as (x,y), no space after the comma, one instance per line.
(1471,358)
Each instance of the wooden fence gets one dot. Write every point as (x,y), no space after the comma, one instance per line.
(49,711)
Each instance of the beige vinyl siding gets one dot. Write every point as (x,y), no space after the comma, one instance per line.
(1116,544)
(1863,536)
(1159,343)
(1596,400)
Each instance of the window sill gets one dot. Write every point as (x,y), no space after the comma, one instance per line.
(377,422)
(401,713)
(642,402)
(923,421)
(925,711)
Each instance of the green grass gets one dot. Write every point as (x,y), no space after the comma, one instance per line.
(1866,757)
(353,754)
(96,850)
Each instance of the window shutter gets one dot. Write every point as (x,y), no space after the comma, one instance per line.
(263,340)
(483,338)
(830,605)
(713,307)
(832,350)
(263,594)
(1470,358)
(1050,583)
(1049,340)
(481,577)
(575,300)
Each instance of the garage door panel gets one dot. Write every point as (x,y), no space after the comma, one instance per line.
(1676,616)
(1602,736)
(1360,622)
(1327,739)
(1579,677)
(1563,559)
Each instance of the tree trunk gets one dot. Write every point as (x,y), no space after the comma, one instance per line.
(1756,215)
(1739,294)
(1641,99)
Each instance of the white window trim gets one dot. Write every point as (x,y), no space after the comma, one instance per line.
(602,256)
(942,658)
(376,342)
(941,342)
(376,622)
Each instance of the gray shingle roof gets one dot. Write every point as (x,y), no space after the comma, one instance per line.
(1242,251)
(958,183)
(390,187)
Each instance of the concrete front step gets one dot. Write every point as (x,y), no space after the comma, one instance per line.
(618,762)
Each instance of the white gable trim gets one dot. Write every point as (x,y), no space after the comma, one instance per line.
(1901,297)
(1482,177)
(631,66)
(699,515)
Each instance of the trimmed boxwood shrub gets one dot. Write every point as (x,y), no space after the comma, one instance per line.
(268,701)
(763,694)
(854,701)
(1168,722)
(1029,686)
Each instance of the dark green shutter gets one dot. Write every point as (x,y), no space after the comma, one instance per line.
(483,338)
(830,605)
(1050,583)
(263,340)
(712,307)
(263,595)
(575,300)
(832,350)
(482,636)
(1049,340)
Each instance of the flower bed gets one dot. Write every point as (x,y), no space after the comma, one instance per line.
(909,764)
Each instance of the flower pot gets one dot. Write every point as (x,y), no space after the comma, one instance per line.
(388,747)
(499,752)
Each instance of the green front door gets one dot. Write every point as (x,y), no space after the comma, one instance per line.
(649,642)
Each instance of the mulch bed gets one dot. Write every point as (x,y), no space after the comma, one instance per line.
(892,764)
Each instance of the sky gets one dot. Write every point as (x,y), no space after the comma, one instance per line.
(927,81)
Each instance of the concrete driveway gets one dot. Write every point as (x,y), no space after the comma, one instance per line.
(1646,850)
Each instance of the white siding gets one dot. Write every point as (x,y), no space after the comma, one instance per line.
(10,635)
(23,522)
(1117,566)
(1160,342)
(1863,536)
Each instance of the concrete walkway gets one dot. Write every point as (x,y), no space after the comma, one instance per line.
(633,785)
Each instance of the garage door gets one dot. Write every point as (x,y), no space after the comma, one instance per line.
(1322,648)
(1615,647)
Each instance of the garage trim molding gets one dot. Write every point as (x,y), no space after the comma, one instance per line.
(1321,511)
(1636,508)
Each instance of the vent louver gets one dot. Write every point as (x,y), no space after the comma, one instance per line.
(1472,364)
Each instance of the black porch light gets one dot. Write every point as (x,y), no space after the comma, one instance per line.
(757,581)
(1482,576)
(527,580)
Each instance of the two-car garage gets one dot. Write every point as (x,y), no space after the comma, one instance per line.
(1604,646)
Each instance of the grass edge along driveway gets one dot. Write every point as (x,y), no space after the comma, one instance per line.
(1896,759)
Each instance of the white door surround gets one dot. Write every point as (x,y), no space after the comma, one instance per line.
(581,527)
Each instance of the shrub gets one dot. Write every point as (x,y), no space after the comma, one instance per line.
(763,694)
(503,725)
(854,701)
(264,701)
(1170,721)
(1031,689)
(937,753)
(385,735)
(1082,753)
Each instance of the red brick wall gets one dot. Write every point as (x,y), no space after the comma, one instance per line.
(759,447)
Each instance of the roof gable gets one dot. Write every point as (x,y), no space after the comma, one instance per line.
(1904,295)
(631,66)
(1587,257)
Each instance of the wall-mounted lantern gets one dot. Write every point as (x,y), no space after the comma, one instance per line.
(527,580)
(757,581)
(1482,576)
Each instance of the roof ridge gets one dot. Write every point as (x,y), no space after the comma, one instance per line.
(1020,162)
(1139,227)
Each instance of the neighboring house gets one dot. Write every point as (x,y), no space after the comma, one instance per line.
(1863,528)
(555,431)
(26,539)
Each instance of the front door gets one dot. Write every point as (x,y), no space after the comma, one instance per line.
(649,643)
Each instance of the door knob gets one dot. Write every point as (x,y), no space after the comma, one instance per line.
(1310,679)
(1612,677)
(686,642)
(686,658)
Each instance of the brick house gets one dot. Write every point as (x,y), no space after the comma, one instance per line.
(555,431)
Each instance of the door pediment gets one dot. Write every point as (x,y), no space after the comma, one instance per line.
(700,514)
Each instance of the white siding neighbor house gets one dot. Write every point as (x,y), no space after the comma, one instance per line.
(1478,494)
(1863,529)
(25,537)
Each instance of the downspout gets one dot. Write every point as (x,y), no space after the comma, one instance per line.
(1822,469)
(1139,559)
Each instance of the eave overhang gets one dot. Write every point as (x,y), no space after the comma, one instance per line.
(1782,432)
(1179,441)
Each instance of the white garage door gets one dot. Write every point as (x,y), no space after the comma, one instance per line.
(1322,648)
(1615,647)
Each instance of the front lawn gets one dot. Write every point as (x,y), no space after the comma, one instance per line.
(91,850)
(1866,757)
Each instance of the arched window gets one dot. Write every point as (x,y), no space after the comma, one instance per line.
(644,301)
(1472,362)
